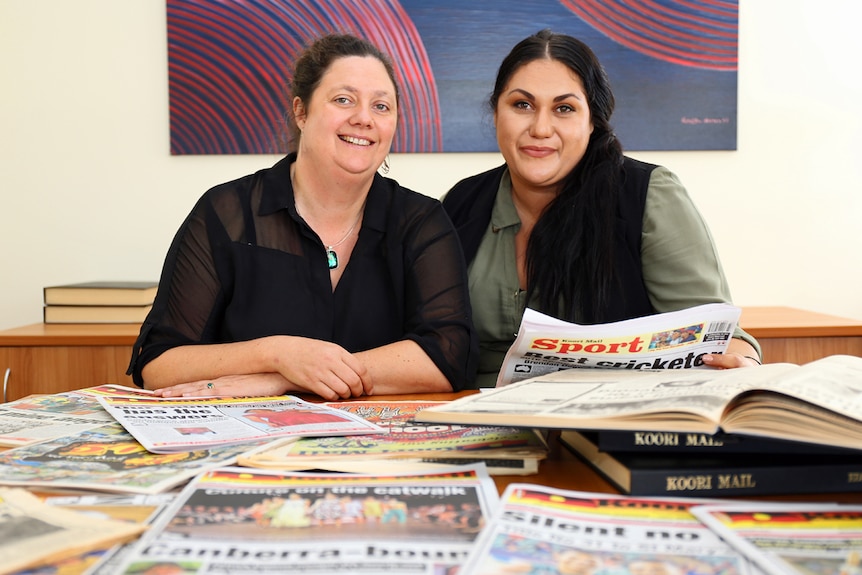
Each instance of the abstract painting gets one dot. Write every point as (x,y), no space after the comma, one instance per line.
(672,66)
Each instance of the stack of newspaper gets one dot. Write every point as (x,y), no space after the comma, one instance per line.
(407,445)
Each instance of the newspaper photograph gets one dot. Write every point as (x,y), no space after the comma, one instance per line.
(168,426)
(673,340)
(542,530)
(790,538)
(235,520)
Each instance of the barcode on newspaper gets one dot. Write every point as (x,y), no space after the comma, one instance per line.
(719,326)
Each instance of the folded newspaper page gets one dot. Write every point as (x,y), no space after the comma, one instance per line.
(542,530)
(673,340)
(35,533)
(37,418)
(137,509)
(168,426)
(789,538)
(241,521)
(108,459)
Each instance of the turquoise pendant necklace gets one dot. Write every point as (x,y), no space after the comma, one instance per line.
(331,256)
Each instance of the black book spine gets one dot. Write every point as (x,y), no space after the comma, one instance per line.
(839,477)
(668,442)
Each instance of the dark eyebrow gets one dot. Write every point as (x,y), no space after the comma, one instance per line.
(354,90)
(559,98)
(564,96)
(524,92)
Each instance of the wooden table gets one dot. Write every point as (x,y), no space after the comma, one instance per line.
(788,334)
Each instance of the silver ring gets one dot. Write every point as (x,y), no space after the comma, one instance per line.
(210,385)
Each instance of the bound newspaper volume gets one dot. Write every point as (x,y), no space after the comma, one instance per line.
(819,402)
(713,475)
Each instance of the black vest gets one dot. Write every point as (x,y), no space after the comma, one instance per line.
(470,201)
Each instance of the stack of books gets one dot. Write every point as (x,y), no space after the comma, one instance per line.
(772,429)
(714,465)
(99,302)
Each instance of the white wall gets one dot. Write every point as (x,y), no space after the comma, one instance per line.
(90,190)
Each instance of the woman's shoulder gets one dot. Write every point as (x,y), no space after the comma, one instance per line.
(633,166)
(652,172)
(397,208)
(270,183)
(396,193)
(473,196)
(651,179)
(230,187)
(470,184)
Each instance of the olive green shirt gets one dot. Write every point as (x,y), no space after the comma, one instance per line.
(681,268)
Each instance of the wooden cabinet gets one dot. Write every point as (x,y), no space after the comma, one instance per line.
(50,358)
(799,336)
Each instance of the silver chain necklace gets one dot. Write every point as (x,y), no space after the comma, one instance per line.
(331,256)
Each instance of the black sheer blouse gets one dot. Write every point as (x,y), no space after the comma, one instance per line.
(244,265)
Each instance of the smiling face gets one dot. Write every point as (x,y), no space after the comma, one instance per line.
(543,124)
(350,118)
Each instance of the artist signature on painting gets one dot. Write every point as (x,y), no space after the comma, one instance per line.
(697,121)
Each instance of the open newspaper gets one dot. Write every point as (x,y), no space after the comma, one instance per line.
(818,402)
(168,426)
(673,340)
(542,530)
(241,521)
(789,538)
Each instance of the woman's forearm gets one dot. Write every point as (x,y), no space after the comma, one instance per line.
(198,362)
(403,367)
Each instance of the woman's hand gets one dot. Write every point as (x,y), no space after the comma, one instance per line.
(729,360)
(740,353)
(248,385)
(321,367)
